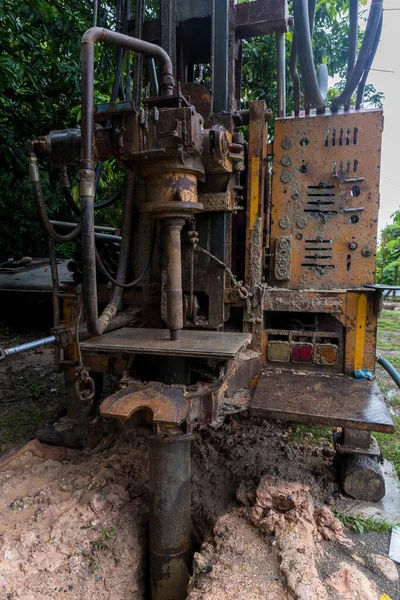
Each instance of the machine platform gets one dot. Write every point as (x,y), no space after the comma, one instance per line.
(315,399)
(200,344)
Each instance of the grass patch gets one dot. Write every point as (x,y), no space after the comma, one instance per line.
(313,434)
(367,524)
(388,341)
(19,424)
(389,324)
(390,444)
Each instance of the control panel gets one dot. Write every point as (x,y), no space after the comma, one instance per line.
(325,200)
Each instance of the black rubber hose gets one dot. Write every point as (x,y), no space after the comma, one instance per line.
(34,175)
(315,83)
(353,39)
(136,281)
(375,15)
(75,208)
(361,85)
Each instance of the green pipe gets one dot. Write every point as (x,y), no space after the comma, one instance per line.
(394,374)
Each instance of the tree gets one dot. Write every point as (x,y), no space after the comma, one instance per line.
(388,256)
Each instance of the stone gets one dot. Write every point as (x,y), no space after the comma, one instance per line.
(350,583)
(386,566)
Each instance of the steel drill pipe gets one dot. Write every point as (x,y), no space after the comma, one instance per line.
(172,236)
(97,325)
(170,516)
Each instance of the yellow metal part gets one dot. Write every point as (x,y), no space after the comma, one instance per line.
(361,328)
(254,191)
(360,332)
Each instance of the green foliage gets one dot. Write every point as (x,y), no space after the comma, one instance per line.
(367,524)
(40,91)
(388,257)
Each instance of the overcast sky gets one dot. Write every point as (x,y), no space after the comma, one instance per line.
(387,58)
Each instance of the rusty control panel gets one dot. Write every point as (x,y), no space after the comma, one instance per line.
(230,277)
(323,232)
(325,200)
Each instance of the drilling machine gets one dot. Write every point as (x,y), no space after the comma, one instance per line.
(250,241)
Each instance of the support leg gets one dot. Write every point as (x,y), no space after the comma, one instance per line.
(170,516)
(358,465)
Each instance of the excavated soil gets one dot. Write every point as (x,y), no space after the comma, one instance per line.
(73,524)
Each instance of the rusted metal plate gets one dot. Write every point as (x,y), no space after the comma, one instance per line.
(208,344)
(167,403)
(34,279)
(262,17)
(325,196)
(305,301)
(197,95)
(334,401)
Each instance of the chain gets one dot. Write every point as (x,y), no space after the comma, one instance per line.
(84,384)
(244,293)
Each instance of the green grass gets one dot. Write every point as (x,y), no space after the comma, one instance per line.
(19,424)
(29,406)
(367,524)
(389,324)
(388,341)
(313,434)
(390,444)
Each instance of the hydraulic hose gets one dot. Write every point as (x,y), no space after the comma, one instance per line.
(76,210)
(374,19)
(353,38)
(361,85)
(389,368)
(99,325)
(136,281)
(95,324)
(315,83)
(34,175)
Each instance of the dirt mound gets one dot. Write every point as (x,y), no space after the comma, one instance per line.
(76,528)
(277,549)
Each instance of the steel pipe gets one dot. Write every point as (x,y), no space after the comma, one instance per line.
(97,325)
(6,352)
(281,72)
(170,516)
(172,243)
(107,237)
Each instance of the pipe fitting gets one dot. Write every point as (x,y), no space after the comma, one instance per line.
(87,182)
